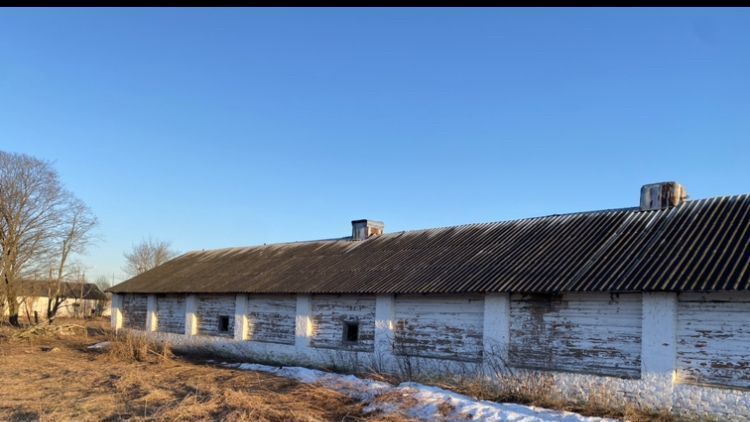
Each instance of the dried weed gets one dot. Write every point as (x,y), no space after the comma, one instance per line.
(139,380)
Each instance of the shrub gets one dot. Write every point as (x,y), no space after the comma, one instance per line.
(131,347)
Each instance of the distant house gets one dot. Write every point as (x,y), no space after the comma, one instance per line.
(648,304)
(80,300)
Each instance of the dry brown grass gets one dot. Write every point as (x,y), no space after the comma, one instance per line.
(138,380)
(125,347)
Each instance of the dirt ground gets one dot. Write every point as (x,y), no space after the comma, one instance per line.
(56,378)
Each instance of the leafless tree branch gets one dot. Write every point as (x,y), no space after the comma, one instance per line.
(146,255)
(40,223)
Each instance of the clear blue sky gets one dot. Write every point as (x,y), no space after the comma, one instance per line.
(218,127)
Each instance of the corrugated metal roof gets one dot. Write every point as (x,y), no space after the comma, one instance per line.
(701,245)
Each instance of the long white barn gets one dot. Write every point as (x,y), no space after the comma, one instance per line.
(650,304)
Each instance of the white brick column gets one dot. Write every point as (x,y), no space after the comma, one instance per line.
(191,315)
(240,317)
(116,311)
(659,346)
(385,320)
(303,322)
(496,336)
(151,322)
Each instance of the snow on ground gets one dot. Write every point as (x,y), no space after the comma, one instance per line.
(100,346)
(418,401)
(356,388)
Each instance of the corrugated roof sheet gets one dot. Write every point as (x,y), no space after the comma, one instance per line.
(701,245)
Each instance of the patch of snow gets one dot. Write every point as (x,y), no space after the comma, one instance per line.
(357,388)
(100,346)
(429,399)
(420,401)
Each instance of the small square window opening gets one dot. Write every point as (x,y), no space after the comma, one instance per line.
(223,323)
(351,331)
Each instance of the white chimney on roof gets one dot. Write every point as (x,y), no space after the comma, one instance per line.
(364,229)
(657,196)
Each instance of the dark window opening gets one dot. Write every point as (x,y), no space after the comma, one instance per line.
(224,323)
(351,331)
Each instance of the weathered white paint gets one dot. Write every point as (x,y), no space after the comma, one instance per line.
(210,310)
(439,326)
(496,337)
(151,318)
(713,354)
(272,318)
(133,308)
(385,316)
(658,344)
(191,315)
(714,339)
(594,333)
(240,317)
(659,328)
(170,313)
(116,314)
(303,323)
(330,312)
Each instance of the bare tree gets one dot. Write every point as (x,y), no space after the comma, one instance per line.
(40,223)
(75,234)
(103,283)
(30,200)
(147,255)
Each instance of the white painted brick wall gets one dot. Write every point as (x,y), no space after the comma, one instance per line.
(191,315)
(240,317)
(496,336)
(116,312)
(385,314)
(659,331)
(303,323)
(151,318)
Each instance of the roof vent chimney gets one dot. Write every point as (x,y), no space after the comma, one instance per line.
(658,196)
(364,229)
